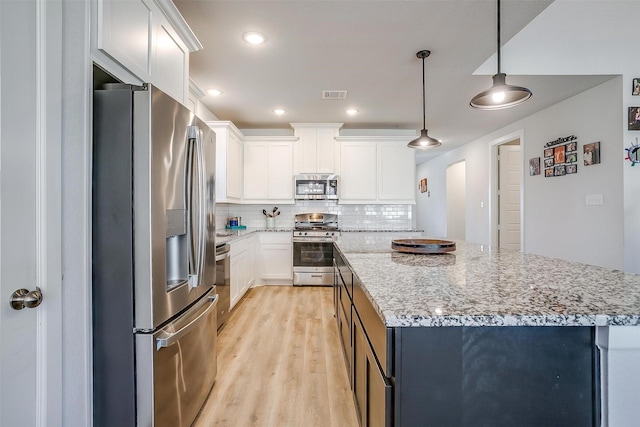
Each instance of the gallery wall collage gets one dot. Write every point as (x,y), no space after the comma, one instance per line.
(561,157)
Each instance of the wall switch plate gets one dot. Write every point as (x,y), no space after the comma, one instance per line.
(594,200)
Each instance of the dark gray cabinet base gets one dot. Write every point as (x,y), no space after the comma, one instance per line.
(496,376)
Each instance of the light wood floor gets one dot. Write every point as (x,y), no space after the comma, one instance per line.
(280,363)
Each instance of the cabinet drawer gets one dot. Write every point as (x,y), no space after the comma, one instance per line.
(378,334)
(275,237)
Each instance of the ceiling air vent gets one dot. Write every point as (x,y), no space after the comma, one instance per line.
(334,94)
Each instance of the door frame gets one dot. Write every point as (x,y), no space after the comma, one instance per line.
(463,160)
(494,207)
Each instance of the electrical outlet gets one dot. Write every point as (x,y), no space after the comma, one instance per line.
(594,200)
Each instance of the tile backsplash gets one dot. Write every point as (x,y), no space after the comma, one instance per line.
(357,217)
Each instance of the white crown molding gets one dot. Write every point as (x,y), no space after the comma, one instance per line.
(177,20)
(193,88)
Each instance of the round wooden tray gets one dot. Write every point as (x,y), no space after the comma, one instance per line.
(423,246)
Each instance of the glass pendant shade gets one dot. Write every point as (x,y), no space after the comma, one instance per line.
(500,95)
(424,141)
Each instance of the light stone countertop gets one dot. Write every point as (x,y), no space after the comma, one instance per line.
(225,235)
(480,286)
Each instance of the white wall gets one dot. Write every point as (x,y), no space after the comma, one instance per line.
(603,43)
(557,222)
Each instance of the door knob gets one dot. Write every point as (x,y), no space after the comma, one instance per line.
(23,298)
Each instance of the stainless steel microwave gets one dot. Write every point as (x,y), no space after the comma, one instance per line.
(316,187)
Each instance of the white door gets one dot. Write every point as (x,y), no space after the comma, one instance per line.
(509,173)
(456,201)
(30,222)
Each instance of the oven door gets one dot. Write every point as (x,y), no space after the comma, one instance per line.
(313,261)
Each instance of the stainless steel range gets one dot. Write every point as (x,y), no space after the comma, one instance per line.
(313,238)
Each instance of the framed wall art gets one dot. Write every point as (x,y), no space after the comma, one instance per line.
(534,166)
(636,87)
(634,118)
(591,153)
(560,156)
(423,185)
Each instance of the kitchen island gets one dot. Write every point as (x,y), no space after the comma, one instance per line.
(475,337)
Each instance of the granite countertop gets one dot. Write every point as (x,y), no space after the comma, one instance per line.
(480,286)
(226,235)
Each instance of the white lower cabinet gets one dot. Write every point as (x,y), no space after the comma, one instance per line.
(242,267)
(275,258)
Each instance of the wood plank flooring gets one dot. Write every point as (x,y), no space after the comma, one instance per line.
(280,363)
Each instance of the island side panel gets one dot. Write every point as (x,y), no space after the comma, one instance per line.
(496,376)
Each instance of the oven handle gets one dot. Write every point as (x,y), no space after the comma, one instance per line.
(313,240)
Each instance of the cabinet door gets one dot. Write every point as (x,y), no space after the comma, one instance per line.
(372,390)
(307,149)
(280,171)
(235,167)
(358,176)
(250,262)
(325,150)
(396,172)
(171,61)
(256,176)
(276,261)
(119,23)
(234,285)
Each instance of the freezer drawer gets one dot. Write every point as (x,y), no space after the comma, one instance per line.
(176,367)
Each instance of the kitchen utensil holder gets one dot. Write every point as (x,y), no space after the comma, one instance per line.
(271,222)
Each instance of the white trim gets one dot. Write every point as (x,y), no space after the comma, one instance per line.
(493,180)
(41,212)
(48,142)
(195,89)
(179,24)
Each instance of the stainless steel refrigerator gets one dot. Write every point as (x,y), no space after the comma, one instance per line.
(154,272)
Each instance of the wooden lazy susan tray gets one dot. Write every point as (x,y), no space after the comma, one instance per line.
(423,246)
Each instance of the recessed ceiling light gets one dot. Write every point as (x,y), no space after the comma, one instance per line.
(352,111)
(279,111)
(214,92)
(253,37)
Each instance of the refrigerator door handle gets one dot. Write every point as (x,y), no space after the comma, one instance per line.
(189,195)
(202,205)
(166,339)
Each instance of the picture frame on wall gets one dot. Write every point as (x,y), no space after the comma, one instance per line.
(423,185)
(572,146)
(569,169)
(591,153)
(548,162)
(635,90)
(548,152)
(558,154)
(534,166)
(634,118)
(548,172)
(559,170)
(571,158)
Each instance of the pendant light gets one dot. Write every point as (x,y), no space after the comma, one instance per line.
(424,141)
(501,95)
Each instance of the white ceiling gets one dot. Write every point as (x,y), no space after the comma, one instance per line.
(369,49)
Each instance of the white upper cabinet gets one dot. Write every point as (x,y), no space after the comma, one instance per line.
(376,170)
(396,172)
(149,39)
(316,149)
(358,176)
(268,169)
(229,162)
